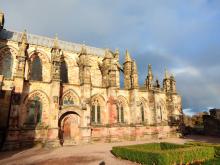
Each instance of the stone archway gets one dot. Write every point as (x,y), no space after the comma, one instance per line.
(69,130)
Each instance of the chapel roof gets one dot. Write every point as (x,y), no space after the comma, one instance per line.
(48,42)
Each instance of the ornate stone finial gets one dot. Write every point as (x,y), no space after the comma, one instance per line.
(23,45)
(56,42)
(149,79)
(172,77)
(83,50)
(116,51)
(127,57)
(166,74)
(2,20)
(24,37)
(108,54)
(117,54)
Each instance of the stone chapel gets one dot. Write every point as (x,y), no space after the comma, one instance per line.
(52,91)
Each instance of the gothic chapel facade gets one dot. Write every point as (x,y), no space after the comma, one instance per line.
(52,90)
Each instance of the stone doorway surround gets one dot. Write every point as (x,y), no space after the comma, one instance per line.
(69,127)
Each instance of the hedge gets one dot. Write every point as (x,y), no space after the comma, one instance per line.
(215,146)
(164,153)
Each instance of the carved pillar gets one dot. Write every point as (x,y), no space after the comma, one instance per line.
(85,86)
(134,76)
(20,67)
(127,71)
(56,55)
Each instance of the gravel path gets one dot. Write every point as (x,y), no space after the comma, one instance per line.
(88,154)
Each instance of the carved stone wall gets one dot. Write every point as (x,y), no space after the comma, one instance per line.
(92,89)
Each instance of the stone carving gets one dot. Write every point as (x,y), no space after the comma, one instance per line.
(22,55)
(56,60)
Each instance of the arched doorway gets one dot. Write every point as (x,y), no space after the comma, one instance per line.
(69,124)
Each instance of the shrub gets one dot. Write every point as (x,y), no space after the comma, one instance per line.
(167,146)
(215,146)
(215,161)
(163,153)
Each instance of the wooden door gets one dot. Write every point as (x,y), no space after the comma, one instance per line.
(67,128)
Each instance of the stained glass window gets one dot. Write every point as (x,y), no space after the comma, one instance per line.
(64,72)
(36,69)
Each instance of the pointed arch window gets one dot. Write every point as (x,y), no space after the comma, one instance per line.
(34,111)
(142,112)
(96,112)
(64,72)
(6,65)
(120,113)
(36,69)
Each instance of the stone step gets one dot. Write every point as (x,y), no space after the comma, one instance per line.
(69,142)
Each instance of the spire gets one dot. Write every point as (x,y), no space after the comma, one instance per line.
(166,74)
(56,42)
(134,69)
(150,73)
(127,57)
(149,79)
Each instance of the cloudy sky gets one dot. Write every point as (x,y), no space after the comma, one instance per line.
(183,36)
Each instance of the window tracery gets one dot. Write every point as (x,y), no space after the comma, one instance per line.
(120,112)
(96,111)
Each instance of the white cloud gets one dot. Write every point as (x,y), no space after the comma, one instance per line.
(188,111)
(188,70)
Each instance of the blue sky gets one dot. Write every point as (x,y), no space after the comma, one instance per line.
(183,36)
